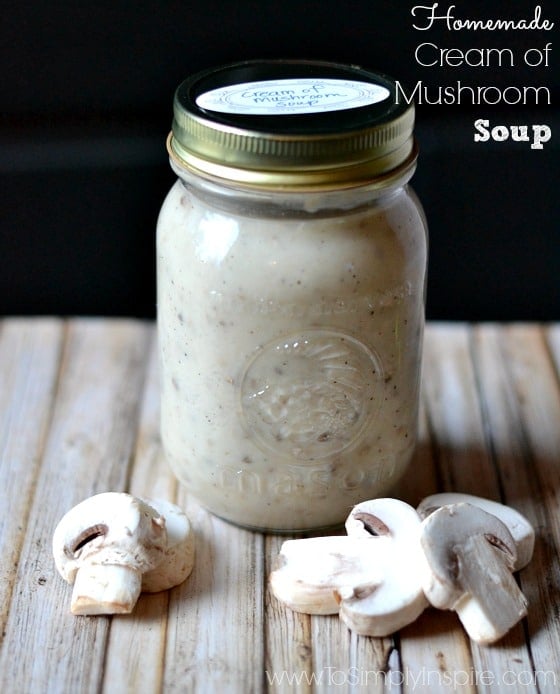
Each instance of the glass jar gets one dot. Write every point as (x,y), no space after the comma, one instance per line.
(291,277)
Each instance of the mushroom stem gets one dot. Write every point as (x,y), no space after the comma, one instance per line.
(492,602)
(105,589)
(313,574)
(114,545)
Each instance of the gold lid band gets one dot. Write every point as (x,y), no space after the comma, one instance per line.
(342,145)
(382,170)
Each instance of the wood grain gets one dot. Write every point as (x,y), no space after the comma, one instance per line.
(79,414)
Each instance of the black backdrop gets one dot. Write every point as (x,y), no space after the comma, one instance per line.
(86,105)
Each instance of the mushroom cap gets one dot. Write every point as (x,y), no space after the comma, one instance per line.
(178,560)
(388,517)
(111,528)
(521,530)
(445,535)
(393,527)
(396,601)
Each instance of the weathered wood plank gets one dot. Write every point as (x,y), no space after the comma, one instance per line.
(504,429)
(215,631)
(435,653)
(433,650)
(535,381)
(341,659)
(336,652)
(29,362)
(455,420)
(136,647)
(465,459)
(288,655)
(88,449)
(530,387)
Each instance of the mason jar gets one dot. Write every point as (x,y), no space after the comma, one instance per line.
(291,266)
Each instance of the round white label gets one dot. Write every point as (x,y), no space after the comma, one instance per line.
(292,96)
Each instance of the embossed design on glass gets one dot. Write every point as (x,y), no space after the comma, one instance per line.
(310,395)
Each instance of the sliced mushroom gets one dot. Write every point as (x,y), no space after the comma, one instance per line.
(312,573)
(521,530)
(398,600)
(104,546)
(369,577)
(470,558)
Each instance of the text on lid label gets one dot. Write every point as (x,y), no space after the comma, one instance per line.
(292,96)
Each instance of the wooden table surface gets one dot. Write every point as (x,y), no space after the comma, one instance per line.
(79,415)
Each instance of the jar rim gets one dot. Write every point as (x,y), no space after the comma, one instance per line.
(255,124)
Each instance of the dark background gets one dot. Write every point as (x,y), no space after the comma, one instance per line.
(86,104)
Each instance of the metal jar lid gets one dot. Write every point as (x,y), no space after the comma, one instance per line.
(292,125)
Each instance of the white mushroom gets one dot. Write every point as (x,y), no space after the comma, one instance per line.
(521,530)
(105,545)
(312,573)
(470,556)
(369,577)
(178,559)
(394,529)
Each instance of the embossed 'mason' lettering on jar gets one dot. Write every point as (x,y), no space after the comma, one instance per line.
(291,277)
